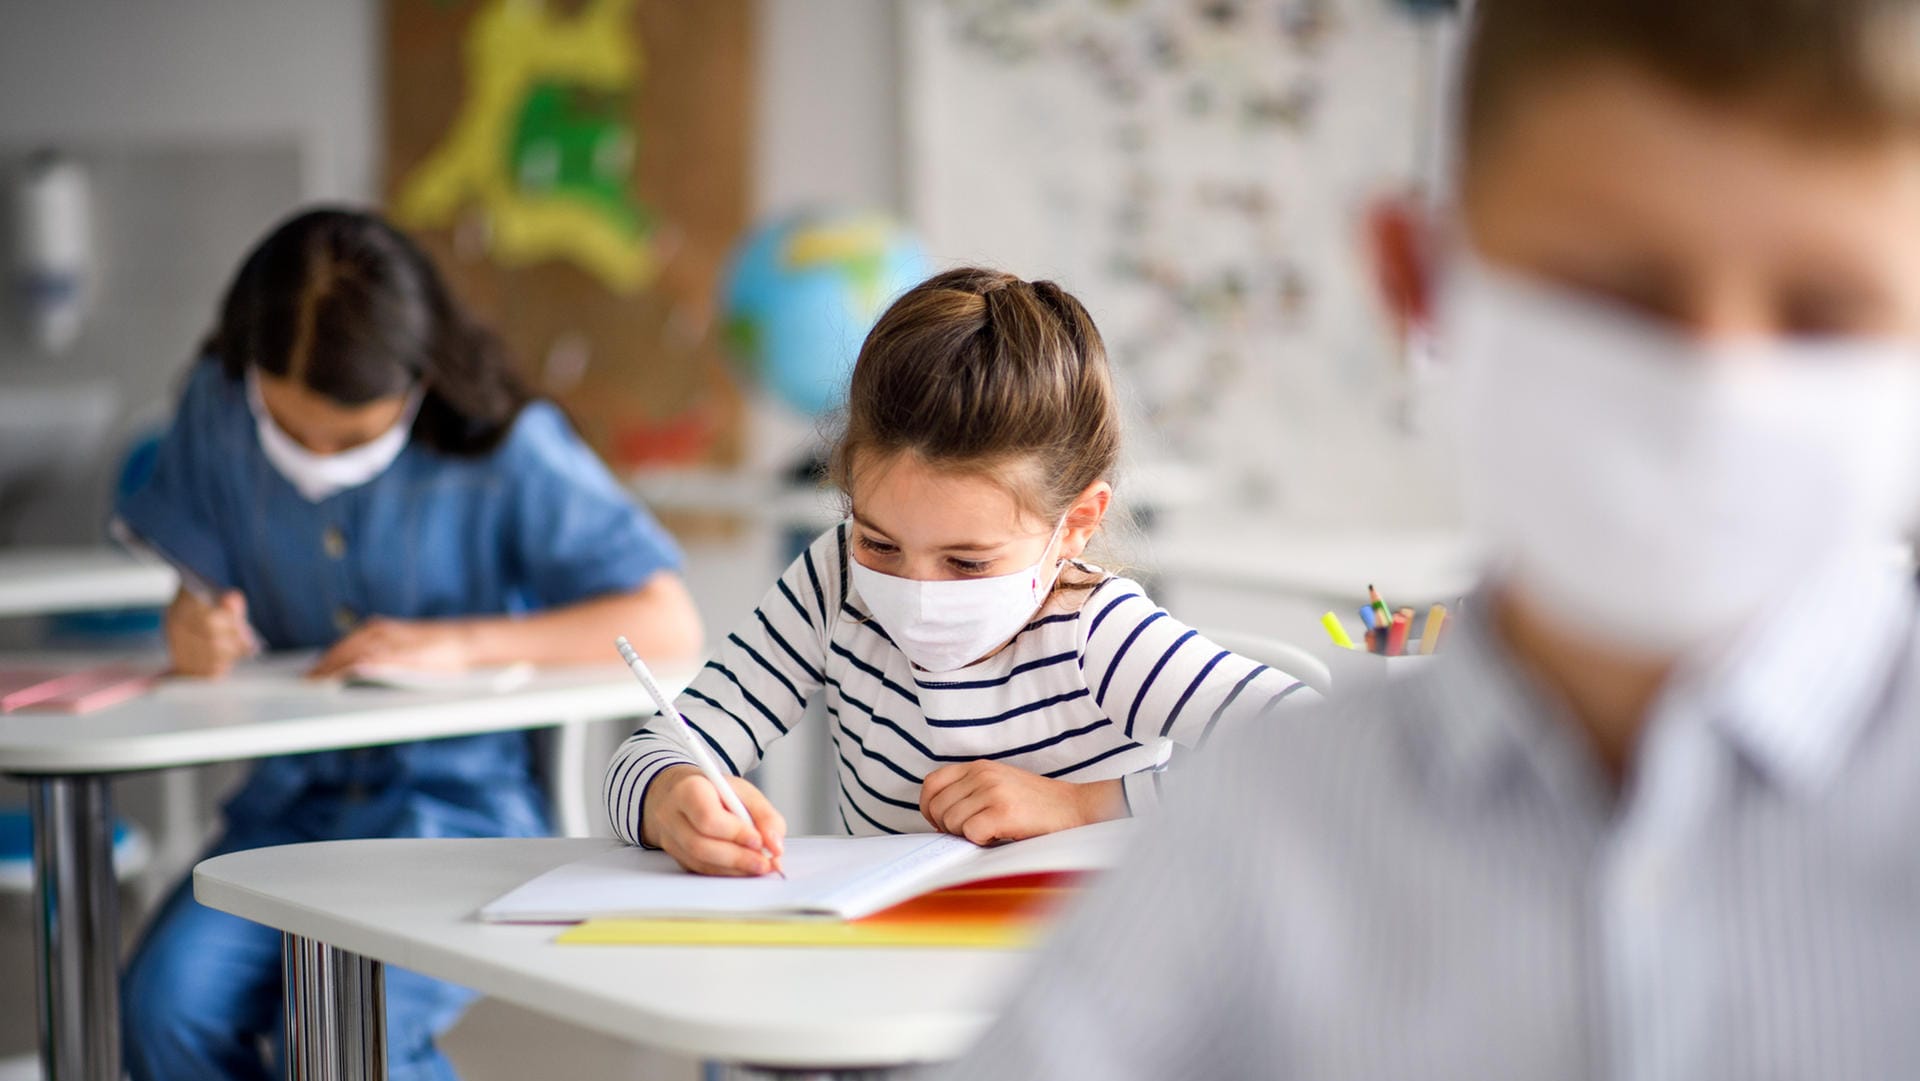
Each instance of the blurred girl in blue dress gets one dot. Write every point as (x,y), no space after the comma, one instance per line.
(356,467)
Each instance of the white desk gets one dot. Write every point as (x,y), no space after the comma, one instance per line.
(776,499)
(1330,567)
(68,763)
(349,907)
(46,581)
(256,714)
(1333,566)
(762,497)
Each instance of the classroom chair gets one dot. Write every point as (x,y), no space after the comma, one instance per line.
(1291,659)
(563,757)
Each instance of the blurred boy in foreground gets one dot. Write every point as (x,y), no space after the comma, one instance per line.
(1654,813)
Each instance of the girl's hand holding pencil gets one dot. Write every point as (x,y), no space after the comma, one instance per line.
(685,817)
(711,822)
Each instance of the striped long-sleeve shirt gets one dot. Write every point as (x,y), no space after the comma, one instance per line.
(1100,685)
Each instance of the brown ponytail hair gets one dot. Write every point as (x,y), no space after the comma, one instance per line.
(979,370)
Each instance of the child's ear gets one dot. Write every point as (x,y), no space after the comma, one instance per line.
(1399,244)
(1084,518)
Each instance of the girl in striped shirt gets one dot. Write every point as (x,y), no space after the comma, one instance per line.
(980,678)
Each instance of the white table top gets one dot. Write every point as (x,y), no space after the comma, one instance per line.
(1333,566)
(760,496)
(776,499)
(45,581)
(267,709)
(411,903)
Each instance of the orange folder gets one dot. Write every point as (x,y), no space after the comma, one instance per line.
(1002,913)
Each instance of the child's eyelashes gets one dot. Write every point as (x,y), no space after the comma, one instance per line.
(885,550)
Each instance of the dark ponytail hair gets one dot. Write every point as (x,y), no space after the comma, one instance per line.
(346,305)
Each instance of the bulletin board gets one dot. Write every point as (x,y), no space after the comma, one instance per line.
(1196,171)
(580,171)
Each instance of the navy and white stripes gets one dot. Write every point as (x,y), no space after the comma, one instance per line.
(1100,685)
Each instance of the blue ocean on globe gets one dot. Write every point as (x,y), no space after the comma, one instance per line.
(801,293)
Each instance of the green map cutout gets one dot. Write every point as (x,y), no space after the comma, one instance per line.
(572,142)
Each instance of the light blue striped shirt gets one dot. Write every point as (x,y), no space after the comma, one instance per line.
(1435,879)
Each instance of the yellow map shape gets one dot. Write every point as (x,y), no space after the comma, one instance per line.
(511,45)
(857,245)
(835,242)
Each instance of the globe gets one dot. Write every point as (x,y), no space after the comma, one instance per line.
(801,293)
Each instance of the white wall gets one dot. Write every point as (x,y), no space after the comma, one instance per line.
(828,134)
(194,71)
(829,125)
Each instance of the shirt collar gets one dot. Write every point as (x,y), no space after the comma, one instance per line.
(1490,715)
(1794,691)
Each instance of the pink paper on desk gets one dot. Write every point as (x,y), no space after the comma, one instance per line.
(85,690)
(22,687)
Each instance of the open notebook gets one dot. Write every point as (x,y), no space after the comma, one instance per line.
(830,878)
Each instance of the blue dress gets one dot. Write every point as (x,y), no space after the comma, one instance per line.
(536,523)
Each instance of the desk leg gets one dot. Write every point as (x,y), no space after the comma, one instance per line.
(76,928)
(570,779)
(336,1013)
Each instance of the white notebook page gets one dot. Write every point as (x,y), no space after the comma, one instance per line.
(828,876)
(843,877)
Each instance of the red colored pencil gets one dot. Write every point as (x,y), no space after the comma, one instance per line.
(1397,635)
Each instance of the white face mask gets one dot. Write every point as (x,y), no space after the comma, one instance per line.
(946,625)
(319,476)
(1652,492)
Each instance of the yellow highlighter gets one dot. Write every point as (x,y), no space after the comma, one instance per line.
(1430,635)
(1337,631)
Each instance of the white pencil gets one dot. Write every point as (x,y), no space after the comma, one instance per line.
(695,745)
